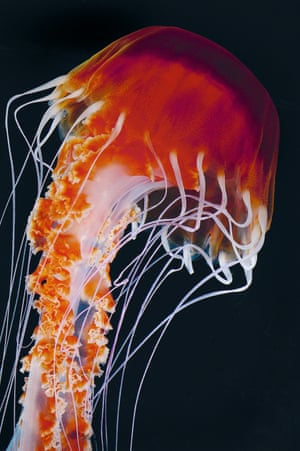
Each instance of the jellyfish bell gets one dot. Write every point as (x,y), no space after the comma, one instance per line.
(182,99)
(169,133)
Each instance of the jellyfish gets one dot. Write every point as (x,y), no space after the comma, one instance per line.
(164,134)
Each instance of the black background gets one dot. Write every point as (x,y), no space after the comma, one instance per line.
(226,376)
